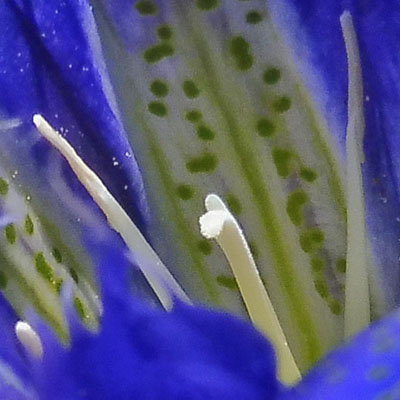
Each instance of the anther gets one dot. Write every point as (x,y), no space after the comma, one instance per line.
(158,276)
(29,339)
(218,223)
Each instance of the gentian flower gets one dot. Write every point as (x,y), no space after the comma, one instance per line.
(167,102)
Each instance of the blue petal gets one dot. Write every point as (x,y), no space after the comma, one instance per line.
(366,368)
(51,63)
(141,353)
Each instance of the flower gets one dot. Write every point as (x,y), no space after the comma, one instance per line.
(168,102)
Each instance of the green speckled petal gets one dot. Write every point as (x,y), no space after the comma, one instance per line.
(36,262)
(42,227)
(215,104)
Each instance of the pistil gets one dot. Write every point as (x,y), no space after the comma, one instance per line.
(218,223)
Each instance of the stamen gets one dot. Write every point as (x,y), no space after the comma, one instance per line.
(219,224)
(158,276)
(357,300)
(29,339)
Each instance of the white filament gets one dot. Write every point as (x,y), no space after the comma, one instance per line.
(158,276)
(219,224)
(357,299)
(29,339)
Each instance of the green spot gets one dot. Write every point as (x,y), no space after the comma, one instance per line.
(3,280)
(282,159)
(254,17)
(193,116)
(11,233)
(206,5)
(158,108)
(164,32)
(308,174)
(294,206)
(227,282)
(156,53)
(80,308)
(335,307)
(282,104)
(44,268)
(233,204)
(265,127)
(321,288)
(159,88)
(3,187)
(28,225)
(58,284)
(74,275)
(57,254)
(204,163)
(185,192)
(190,89)
(341,265)
(312,240)
(317,236)
(240,50)
(306,242)
(272,75)
(146,7)
(205,133)
(317,264)
(205,247)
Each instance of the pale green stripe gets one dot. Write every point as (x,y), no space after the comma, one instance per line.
(321,143)
(284,266)
(185,233)
(44,309)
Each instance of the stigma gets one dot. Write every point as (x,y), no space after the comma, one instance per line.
(218,223)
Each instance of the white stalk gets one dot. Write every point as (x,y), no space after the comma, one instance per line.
(219,224)
(158,276)
(357,298)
